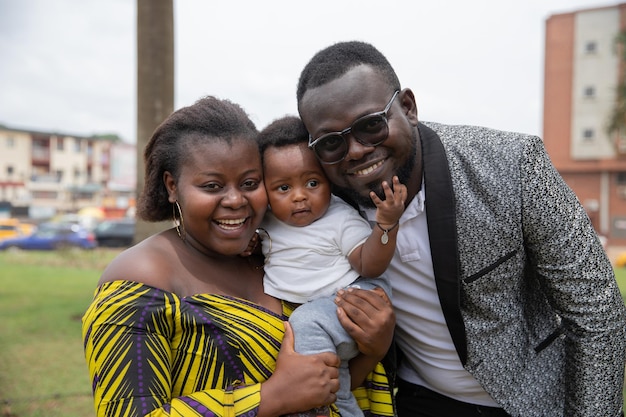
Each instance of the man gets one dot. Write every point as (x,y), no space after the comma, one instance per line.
(505,301)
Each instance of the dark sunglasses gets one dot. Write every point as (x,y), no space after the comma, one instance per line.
(369,130)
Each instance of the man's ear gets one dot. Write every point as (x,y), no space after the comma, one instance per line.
(407,100)
(170,186)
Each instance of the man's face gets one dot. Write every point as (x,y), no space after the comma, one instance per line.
(335,106)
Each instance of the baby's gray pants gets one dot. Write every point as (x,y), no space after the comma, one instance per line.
(317,329)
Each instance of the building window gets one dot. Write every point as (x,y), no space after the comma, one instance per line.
(591,47)
(588,135)
(10,142)
(621,178)
(77,147)
(59,144)
(10,170)
(47,195)
(83,195)
(590,92)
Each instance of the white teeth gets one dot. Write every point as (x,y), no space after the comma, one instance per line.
(231,224)
(369,169)
(233,221)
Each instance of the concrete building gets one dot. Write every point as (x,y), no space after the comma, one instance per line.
(583,67)
(44,174)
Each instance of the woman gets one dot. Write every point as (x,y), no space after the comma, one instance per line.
(180,324)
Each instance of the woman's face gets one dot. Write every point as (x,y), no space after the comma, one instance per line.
(221,195)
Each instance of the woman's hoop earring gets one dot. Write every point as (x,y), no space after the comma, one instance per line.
(179,223)
(260,231)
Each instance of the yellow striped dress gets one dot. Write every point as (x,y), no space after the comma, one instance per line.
(152,353)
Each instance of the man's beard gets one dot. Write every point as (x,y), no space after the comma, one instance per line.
(403,173)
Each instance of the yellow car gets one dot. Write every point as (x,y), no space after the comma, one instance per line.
(620,261)
(10,228)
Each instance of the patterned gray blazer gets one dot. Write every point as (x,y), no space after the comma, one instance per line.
(527,291)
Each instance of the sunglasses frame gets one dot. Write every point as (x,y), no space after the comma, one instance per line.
(383,113)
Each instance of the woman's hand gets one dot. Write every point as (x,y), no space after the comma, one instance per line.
(299,382)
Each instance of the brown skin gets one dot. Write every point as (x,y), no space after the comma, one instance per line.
(337,104)
(299,194)
(333,107)
(369,319)
(294,190)
(297,188)
(225,183)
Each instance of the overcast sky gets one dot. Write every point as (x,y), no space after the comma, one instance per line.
(69,66)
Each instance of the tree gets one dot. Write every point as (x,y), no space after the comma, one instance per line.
(155,82)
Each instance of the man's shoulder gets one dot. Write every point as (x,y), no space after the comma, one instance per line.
(450,131)
(470,137)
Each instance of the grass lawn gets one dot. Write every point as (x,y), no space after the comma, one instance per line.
(43,296)
(620,275)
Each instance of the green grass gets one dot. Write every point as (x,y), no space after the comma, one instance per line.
(43,296)
(620,276)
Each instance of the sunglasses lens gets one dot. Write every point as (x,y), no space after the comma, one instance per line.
(371,130)
(331,148)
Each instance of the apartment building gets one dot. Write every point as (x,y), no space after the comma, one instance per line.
(43,174)
(583,66)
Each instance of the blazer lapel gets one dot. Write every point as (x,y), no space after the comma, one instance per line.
(440,214)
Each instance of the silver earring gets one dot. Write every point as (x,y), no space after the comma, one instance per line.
(260,231)
(179,223)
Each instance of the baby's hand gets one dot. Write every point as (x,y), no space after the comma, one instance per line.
(389,210)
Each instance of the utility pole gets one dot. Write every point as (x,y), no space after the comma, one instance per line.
(155,83)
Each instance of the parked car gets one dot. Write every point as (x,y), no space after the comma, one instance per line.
(53,236)
(115,232)
(11,228)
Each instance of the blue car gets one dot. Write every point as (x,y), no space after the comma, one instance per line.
(51,236)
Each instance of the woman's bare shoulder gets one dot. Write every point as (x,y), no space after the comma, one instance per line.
(148,262)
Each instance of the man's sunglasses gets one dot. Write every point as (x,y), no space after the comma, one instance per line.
(369,130)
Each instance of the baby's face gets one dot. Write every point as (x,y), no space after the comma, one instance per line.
(297,188)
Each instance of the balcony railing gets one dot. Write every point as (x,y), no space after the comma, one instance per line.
(45,178)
